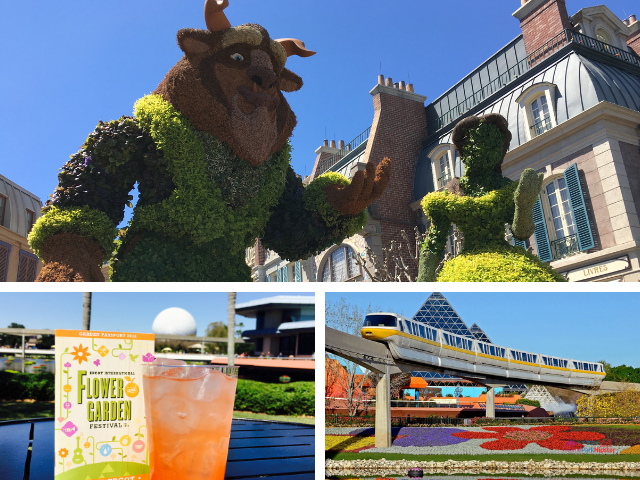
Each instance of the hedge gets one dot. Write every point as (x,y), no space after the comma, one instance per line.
(20,386)
(526,401)
(296,398)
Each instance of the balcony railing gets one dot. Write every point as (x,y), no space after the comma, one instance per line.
(343,152)
(565,247)
(541,126)
(542,53)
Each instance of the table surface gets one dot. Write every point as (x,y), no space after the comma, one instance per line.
(275,451)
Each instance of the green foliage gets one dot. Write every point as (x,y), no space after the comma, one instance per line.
(276,399)
(196,208)
(11,340)
(217,329)
(84,221)
(482,153)
(498,264)
(480,219)
(526,401)
(525,197)
(304,223)
(622,373)
(21,386)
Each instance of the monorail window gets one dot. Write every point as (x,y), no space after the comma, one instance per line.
(422,331)
(380,321)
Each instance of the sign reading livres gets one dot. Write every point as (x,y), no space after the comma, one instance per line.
(599,269)
(100,427)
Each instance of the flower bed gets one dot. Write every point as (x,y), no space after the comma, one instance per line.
(477,441)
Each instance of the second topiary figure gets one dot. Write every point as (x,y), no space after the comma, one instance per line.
(480,204)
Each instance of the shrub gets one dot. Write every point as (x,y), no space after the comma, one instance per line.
(296,398)
(21,386)
(526,401)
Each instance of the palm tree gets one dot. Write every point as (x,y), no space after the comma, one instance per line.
(86,311)
(231,328)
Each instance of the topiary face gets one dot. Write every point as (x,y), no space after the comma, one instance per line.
(482,151)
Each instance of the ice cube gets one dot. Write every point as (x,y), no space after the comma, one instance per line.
(176,414)
(207,388)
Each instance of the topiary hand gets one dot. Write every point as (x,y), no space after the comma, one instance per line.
(525,197)
(68,257)
(366,186)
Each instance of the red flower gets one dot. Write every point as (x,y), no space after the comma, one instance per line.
(514,438)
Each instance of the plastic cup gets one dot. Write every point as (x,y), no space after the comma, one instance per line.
(188,412)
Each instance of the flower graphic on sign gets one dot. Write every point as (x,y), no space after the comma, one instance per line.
(514,438)
(138,446)
(97,362)
(67,365)
(80,354)
(122,356)
(63,452)
(149,358)
(105,450)
(67,405)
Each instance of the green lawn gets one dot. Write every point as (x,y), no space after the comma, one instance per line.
(499,457)
(19,410)
(275,418)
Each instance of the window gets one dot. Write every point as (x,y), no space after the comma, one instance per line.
(603,36)
(3,208)
(27,267)
(444,170)
(380,321)
(540,114)
(537,108)
(31,218)
(341,266)
(562,226)
(298,272)
(306,343)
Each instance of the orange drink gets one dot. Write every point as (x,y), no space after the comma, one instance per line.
(188,411)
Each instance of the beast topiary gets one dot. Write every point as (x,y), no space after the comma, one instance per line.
(482,202)
(210,152)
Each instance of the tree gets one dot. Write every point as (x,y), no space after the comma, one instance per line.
(349,377)
(217,330)
(86,311)
(606,365)
(14,341)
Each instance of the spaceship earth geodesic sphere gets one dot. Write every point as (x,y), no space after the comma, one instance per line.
(174,321)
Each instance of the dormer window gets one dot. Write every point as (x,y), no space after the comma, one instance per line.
(603,36)
(445,165)
(3,207)
(537,109)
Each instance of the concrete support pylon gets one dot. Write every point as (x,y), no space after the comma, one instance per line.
(491,402)
(383,411)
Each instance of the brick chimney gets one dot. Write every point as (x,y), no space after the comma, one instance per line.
(398,128)
(322,153)
(540,21)
(633,40)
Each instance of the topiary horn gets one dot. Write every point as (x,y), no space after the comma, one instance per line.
(214,15)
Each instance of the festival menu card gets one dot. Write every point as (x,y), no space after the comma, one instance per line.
(100,421)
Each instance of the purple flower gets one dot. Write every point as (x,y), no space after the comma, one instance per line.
(149,358)
(122,356)
(87,161)
(67,365)
(97,362)
(427,437)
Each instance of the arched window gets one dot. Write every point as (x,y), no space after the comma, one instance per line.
(537,107)
(341,266)
(603,36)
(445,165)
(540,116)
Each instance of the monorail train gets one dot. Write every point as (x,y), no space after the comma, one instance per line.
(418,342)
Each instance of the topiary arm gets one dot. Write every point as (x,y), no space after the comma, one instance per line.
(525,197)
(89,201)
(304,222)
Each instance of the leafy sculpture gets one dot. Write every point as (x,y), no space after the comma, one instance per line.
(210,152)
(480,204)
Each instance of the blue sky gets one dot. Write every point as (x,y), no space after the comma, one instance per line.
(119,312)
(582,326)
(67,65)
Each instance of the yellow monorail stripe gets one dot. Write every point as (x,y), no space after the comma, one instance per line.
(491,356)
(590,373)
(525,363)
(462,350)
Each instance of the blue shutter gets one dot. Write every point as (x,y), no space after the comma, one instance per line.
(579,208)
(520,243)
(5,251)
(298,272)
(541,235)
(285,273)
(268,277)
(279,275)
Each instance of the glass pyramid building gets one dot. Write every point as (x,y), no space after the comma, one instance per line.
(437,312)
(479,333)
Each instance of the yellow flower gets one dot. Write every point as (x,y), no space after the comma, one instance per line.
(345,443)
(81,354)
